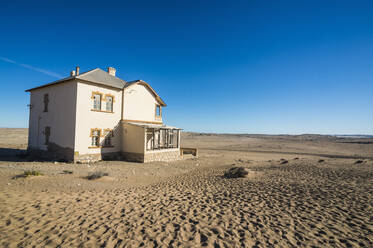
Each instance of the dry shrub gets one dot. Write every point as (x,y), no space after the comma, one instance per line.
(96,175)
(28,173)
(236,172)
(32,173)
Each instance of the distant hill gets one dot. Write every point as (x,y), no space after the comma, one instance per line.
(354,136)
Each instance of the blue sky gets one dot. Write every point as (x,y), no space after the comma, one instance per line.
(231,66)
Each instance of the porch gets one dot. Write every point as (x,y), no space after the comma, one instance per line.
(145,142)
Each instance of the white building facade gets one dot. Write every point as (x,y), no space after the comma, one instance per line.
(96,115)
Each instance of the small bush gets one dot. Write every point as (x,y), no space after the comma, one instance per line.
(28,173)
(32,173)
(67,172)
(96,175)
(236,172)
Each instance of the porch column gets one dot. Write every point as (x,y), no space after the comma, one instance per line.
(153,141)
(178,138)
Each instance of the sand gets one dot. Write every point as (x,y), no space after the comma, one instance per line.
(303,202)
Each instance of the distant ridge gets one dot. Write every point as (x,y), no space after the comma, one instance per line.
(354,136)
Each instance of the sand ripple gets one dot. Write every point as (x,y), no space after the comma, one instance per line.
(298,204)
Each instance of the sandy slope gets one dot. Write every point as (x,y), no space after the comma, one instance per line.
(189,204)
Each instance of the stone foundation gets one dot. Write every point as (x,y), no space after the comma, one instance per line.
(87,158)
(90,158)
(149,156)
(162,155)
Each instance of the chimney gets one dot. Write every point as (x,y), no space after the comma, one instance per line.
(77,70)
(72,73)
(111,71)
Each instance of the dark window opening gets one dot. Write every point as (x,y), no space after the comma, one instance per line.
(107,141)
(108,135)
(46,101)
(158,110)
(47,133)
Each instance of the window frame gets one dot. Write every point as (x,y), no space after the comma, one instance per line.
(96,93)
(108,134)
(108,96)
(158,107)
(98,136)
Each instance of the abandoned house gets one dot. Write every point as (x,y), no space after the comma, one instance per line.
(95,115)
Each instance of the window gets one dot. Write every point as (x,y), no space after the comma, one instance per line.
(47,133)
(108,133)
(95,134)
(97,101)
(158,111)
(46,101)
(109,103)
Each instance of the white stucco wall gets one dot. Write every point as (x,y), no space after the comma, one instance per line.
(87,119)
(139,104)
(60,116)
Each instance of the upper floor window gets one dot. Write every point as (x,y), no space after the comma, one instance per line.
(158,111)
(46,101)
(96,101)
(109,103)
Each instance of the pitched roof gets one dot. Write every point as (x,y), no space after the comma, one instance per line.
(102,77)
(97,76)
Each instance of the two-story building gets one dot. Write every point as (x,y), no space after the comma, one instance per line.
(96,115)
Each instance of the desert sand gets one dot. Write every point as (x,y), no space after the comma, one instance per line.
(302,191)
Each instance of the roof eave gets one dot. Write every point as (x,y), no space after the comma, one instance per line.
(52,83)
(98,84)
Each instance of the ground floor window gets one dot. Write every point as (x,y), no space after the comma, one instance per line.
(162,138)
(47,133)
(95,136)
(108,134)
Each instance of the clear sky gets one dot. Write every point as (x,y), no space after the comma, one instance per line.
(231,66)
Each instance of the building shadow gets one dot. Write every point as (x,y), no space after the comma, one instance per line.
(13,154)
(22,155)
